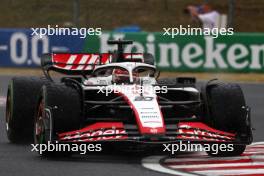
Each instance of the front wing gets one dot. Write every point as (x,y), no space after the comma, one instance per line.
(117,131)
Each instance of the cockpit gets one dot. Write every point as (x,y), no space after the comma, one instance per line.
(126,73)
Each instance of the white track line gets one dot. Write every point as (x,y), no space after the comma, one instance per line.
(231,172)
(2,101)
(172,160)
(207,158)
(257,143)
(152,163)
(216,165)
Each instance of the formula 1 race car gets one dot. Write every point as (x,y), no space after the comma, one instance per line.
(117,97)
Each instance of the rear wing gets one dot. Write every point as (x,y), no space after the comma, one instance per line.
(81,63)
(69,62)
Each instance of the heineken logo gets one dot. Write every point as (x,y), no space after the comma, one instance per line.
(227,54)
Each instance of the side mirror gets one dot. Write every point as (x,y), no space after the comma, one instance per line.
(46,60)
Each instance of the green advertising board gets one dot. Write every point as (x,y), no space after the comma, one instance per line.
(241,52)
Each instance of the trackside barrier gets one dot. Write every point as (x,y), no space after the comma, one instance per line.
(241,52)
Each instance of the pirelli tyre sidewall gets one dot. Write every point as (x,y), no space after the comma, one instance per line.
(225,104)
(20,105)
(59,110)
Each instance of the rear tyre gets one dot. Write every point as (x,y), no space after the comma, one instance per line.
(225,104)
(149,59)
(59,110)
(176,82)
(20,105)
(167,81)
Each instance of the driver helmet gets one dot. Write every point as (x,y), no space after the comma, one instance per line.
(122,76)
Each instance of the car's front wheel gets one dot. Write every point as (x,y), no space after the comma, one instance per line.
(59,110)
(226,106)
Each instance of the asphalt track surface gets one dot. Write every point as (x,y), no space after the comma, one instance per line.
(19,160)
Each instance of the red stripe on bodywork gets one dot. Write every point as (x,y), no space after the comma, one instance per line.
(101,131)
(199,125)
(200,131)
(96,126)
(77,61)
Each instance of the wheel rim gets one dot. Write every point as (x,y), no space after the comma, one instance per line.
(39,124)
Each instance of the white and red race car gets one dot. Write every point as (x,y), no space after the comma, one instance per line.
(117,97)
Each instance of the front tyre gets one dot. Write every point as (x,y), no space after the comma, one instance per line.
(226,106)
(59,110)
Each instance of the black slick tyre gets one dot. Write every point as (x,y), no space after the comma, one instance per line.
(20,105)
(59,110)
(225,104)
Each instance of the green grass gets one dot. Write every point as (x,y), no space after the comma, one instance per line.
(151,15)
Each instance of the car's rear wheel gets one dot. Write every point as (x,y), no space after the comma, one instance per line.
(149,59)
(177,82)
(226,105)
(20,105)
(59,110)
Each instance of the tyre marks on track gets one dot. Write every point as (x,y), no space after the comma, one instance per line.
(199,163)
